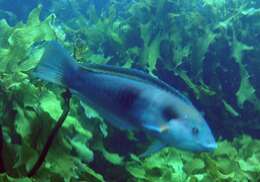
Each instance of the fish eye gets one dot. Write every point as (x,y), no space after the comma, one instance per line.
(195,131)
(168,113)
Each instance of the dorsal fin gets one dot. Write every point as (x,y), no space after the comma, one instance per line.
(133,74)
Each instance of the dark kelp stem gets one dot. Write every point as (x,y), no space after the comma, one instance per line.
(66,96)
(2,167)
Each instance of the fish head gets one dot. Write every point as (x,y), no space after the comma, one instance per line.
(190,135)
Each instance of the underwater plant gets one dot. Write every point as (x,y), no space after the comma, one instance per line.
(232,161)
(28,112)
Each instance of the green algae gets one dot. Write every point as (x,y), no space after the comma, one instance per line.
(18,39)
(232,161)
(29,111)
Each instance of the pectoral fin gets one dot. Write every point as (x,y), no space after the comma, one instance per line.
(156,128)
(155,147)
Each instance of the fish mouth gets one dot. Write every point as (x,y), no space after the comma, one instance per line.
(209,147)
(199,147)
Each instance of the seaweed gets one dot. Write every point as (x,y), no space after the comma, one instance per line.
(29,110)
(232,161)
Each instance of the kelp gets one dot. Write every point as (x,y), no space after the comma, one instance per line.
(29,110)
(232,161)
(17,40)
(193,31)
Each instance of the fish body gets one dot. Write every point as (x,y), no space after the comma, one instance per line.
(130,99)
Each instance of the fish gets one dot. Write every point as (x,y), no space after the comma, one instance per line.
(130,99)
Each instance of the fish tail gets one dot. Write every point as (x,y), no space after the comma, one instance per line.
(56,65)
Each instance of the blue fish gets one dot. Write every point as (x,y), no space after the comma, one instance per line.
(130,100)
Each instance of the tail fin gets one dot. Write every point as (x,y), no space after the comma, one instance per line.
(56,65)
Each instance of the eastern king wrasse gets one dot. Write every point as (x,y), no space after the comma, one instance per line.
(130,99)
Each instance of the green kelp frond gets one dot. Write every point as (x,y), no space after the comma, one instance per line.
(232,161)
(16,45)
(203,48)
(30,117)
(196,43)
(29,112)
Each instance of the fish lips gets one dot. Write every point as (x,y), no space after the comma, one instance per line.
(210,147)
